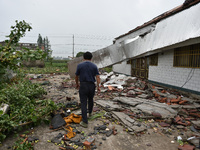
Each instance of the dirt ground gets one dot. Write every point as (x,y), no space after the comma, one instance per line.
(123,140)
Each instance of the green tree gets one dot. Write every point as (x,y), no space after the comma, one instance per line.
(79,54)
(39,41)
(10,56)
(47,47)
(48,50)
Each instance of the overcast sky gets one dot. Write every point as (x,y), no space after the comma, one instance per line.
(94,23)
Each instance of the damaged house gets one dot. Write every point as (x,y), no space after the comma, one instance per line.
(164,50)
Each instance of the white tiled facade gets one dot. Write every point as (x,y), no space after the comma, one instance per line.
(122,68)
(176,76)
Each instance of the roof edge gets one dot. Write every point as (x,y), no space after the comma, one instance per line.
(162,16)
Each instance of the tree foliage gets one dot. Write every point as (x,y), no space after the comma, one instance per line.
(45,44)
(23,97)
(10,54)
(79,54)
(39,41)
(47,48)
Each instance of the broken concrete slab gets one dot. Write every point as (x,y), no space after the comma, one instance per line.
(108,105)
(139,129)
(168,95)
(159,88)
(148,106)
(130,101)
(196,123)
(175,106)
(188,99)
(131,92)
(128,123)
(149,109)
(143,96)
(138,90)
(130,119)
(191,106)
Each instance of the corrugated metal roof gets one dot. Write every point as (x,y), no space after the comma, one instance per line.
(168,33)
(185,5)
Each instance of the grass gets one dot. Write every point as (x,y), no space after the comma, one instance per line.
(107,69)
(50,67)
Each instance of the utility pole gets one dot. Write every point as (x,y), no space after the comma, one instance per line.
(73,47)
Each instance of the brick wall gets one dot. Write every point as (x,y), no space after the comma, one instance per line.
(176,76)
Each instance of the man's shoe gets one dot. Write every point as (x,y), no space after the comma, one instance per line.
(83,124)
(90,115)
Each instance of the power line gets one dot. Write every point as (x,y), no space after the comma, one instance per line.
(91,37)
(190,75)
(79,44)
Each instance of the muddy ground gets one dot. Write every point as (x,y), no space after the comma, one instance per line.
(152,138)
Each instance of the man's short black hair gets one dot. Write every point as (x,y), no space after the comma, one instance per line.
(87,55)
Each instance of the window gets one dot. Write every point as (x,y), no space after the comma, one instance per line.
(128,62)
(187,56)
(154,60)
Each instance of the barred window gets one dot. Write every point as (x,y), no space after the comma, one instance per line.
(187,56)
(154,60)
(128,62)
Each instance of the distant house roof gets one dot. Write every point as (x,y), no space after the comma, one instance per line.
(185,5)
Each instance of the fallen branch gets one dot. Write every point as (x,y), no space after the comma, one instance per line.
(22,124)
(24,140)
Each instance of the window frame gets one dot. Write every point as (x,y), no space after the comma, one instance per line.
(153,60)
(187,56)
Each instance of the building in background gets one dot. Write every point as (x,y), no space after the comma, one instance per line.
(30,46)
(168,51)
(164,50)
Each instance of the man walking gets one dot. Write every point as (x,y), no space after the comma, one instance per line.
(86,73)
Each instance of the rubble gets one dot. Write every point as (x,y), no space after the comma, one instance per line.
(57,121)
(140,107)
(186,147)
(108,105)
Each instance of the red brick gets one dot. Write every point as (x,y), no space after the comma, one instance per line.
(168,101)
(163,100)
(195,114)
(138,93)
(179,98)
(186,123)
(163,91)
(186,147)
(130,88)
(175,100)
(178,118)
(87,144)
(157,95)
(154,92)
(163,124)
(182,102)
(157,115)
(188,119)
(192,110)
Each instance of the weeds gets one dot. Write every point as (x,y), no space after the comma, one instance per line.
(26,106)
(50,67)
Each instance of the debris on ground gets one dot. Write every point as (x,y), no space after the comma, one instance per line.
(137,105)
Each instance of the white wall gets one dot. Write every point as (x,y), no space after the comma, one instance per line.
(176,76)
(122,68)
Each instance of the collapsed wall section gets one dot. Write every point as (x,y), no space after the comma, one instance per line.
(173,30)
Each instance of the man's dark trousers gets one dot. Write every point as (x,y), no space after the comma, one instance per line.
(86,92)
